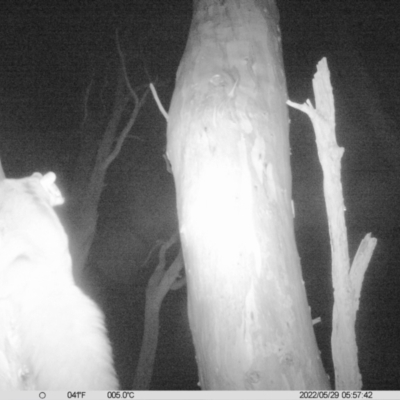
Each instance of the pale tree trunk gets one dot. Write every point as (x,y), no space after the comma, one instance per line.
(228,146)
(347,282)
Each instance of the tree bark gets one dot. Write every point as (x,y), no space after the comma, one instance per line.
(228,146)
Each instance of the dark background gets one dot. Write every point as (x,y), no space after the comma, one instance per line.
(52,50)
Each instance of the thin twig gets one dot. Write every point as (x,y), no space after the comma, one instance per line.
(125,132)
(123,65)
(156,98)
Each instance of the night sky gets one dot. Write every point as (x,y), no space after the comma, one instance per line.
(51,51)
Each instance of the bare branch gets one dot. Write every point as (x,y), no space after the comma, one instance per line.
(180,282)
(2,174)
(162,281)
(85,102)
(360,265)
(316,320)
(151,252)
(125,132)
(123,65)
(161,258)
(156,98)
(171,276)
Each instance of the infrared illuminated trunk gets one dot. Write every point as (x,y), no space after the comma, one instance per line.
(229,150)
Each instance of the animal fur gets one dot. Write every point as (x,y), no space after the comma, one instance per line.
(52,336)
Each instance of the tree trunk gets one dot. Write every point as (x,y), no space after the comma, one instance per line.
(346,282)
(229,150)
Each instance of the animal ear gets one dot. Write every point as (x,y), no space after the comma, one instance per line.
(48,182)
(2,174)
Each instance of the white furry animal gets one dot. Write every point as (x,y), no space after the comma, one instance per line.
(52,336)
